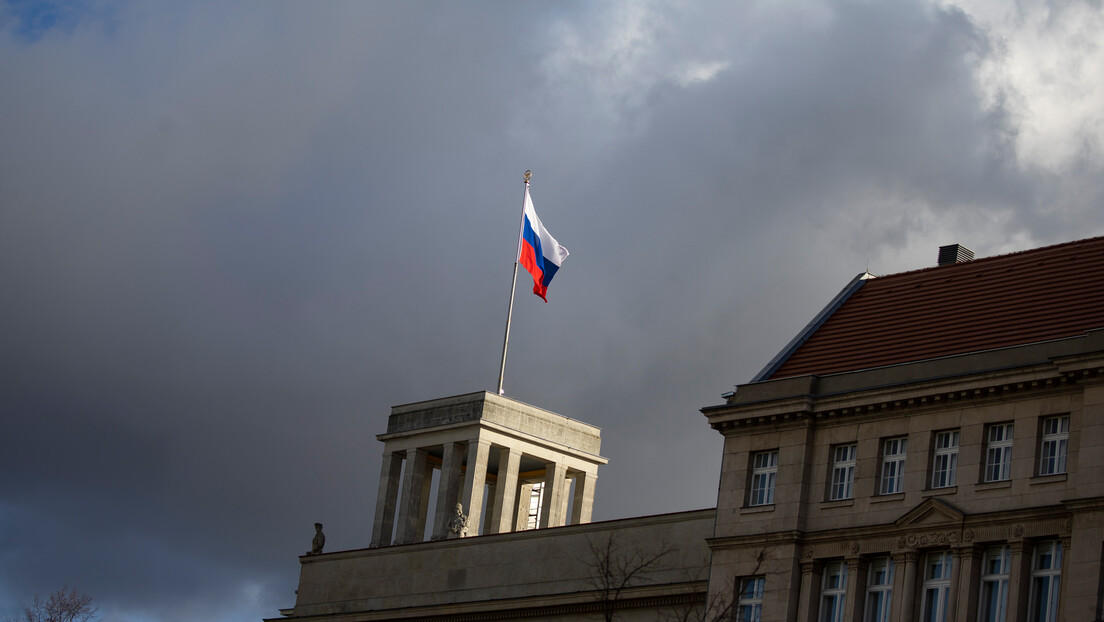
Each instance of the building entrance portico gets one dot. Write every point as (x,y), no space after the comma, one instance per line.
(497,462)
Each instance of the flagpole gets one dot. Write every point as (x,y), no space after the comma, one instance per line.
(513,286)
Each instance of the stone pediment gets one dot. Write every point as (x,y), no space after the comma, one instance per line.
(931,513)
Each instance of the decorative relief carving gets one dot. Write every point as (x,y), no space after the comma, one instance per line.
(1018,531)
(854,547)
(1067,527)
(931,538)
(968,535)
(807,553)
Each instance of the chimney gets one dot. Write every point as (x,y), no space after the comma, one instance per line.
(954,253)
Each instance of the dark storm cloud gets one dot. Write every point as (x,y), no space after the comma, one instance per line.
(232,236)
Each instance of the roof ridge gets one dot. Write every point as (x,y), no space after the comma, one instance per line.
(976,261)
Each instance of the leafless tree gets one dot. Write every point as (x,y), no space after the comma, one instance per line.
(722,608)
(614,568)
(64,605)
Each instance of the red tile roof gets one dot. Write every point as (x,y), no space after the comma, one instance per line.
(1031,296)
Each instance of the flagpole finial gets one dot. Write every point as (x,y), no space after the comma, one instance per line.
(528,174)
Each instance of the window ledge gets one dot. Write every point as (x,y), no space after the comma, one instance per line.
(756,509)
(1048,479)
(939,492)
(893,496)
(839,503)
(1004,483)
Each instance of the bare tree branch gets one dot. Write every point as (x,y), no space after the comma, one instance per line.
(718,610)
(64,605)
(614,568)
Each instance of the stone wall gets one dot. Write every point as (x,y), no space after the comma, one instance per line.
(545,569)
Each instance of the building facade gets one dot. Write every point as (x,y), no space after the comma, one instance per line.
(929,448)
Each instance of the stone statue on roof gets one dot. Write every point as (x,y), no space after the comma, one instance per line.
(458,524)
(319,540)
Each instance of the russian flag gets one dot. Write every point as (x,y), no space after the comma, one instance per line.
(539,252)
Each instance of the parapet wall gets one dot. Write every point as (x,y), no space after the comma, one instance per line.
(521,569)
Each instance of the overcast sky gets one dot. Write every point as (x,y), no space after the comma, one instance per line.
(233,235)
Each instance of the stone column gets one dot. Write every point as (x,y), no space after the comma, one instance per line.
(1019,580)
(952,590)
(475,479)
(525,491)
(423,506)
(413,484)
(904,583)
(565,506)
(489,516)
(448,489)
(505,501)
(383,525)
(856,589)
(809,603)
(583,504)
(968,557)
(555,480)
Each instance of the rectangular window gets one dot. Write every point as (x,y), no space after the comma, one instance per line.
(944,459)
(536,498)
(764,468)
(1046,574)
(833,592)
(893,464)
(843,473)
(937,587)
(879,590)
(993,606)
(749,599)
(998,452)
(1053,444)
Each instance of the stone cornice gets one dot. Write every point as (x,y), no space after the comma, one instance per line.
(973,376)
(1052,521)
(906,398)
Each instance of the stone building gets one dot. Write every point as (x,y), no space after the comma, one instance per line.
(929,447)
(522,479)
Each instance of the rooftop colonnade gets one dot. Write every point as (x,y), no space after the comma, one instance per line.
(495,459)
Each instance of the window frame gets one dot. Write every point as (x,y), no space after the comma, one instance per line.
(994,579)
(536,503)
(998,452)
(841,485)
(1059,440)
(833,598)
(893,483)
(944,471)
(762,478)
(939,586)
(878,606)
(749,606)
(1051,577)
